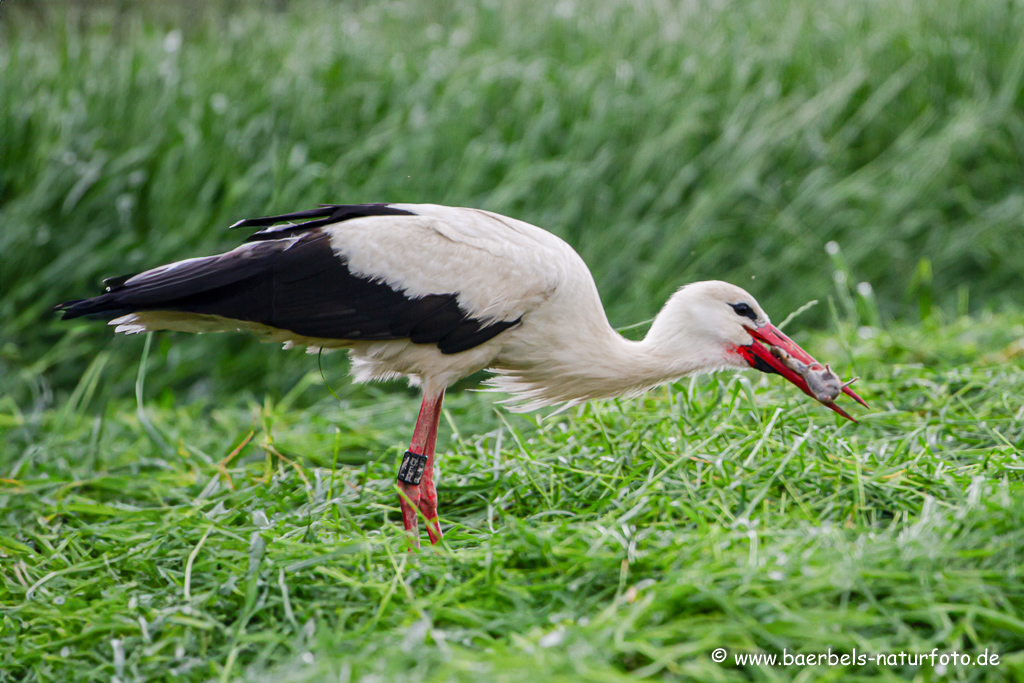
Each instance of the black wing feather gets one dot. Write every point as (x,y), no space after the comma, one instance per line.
(314,218)
(300,285)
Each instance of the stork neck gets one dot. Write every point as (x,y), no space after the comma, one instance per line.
(616,366)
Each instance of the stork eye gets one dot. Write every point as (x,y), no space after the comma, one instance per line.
(745,310)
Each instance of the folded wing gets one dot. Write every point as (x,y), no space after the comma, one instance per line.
(292,279)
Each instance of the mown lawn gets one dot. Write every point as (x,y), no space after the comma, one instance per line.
(220,517)
(621,541)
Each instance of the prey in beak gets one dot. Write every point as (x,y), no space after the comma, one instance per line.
(773,352)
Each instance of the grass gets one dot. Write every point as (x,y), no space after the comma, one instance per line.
(196,509)
(253,540)
(668,142)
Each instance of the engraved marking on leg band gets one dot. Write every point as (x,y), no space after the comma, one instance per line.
(411,471)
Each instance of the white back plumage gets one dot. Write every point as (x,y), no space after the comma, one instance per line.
(564,350)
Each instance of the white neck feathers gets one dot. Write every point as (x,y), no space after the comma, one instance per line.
(603,364)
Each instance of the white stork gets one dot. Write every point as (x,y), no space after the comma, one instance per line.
(435,293)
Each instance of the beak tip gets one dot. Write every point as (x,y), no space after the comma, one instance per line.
(853,394)
(833,407)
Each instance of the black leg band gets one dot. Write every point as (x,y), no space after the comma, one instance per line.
(411,471)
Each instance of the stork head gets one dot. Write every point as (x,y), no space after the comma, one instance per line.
(729,328)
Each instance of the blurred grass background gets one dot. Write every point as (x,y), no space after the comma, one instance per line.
(667,141)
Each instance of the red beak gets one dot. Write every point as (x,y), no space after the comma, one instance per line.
(759,356)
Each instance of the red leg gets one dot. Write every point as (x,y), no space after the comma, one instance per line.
(428,498)
(423,495)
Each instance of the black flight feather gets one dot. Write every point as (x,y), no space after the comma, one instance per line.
(326,214)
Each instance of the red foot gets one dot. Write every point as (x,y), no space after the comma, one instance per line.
(425,501)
